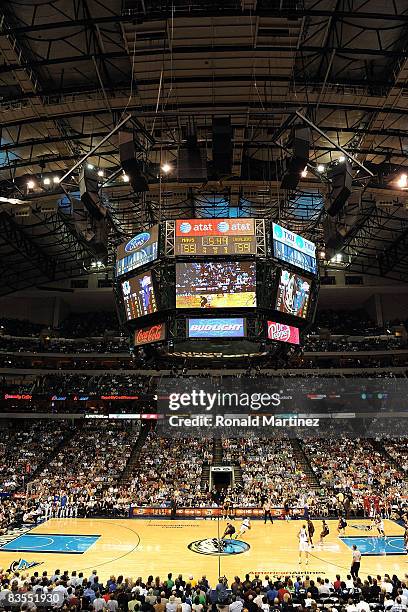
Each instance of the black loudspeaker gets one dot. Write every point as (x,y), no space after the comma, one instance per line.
(340,187)
(191,163)
(132,166)
(336,230)
(293,166)
(88,189)
(333,234)
(222,146)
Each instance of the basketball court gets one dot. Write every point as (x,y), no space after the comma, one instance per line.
(141,547)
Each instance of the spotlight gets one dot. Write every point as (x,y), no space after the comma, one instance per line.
(30,184)
(90,166)
(403,181)
(303,174)
(166,168)
(56,179)
(47,181)
(125,178)
(320,168)
(100,173)
(342,159)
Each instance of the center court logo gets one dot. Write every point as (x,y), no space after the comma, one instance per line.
(223,548)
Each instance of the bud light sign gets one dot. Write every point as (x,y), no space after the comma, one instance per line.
(216,328)
(283,332)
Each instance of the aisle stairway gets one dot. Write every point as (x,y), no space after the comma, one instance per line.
(238,482)
(68,434)
(128,469)
(378,446)
(217,452)
(302,459)
(205,477)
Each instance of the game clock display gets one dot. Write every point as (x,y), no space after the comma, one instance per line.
(215,237)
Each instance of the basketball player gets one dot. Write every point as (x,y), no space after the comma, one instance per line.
(379,523)
(406,538)
(310,531)
(226,508)
(303,544)
(341,526)
(324,532)
(229,531)
(245,526)
(267,512)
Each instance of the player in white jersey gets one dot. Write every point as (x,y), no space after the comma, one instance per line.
(303,544)
(245,526)
(379,523)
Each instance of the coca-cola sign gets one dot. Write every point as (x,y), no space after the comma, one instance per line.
(283,332)
(153,333)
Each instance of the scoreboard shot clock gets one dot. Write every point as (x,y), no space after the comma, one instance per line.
(212,237)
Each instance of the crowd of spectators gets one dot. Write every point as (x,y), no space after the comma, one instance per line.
(176,593)
(357,472)
(24,447)
(397,448)
(349,344)
(111,345)
(171,469)
(269,470)
(97,454)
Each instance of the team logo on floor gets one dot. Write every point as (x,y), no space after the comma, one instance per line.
(214,546)
(22,564)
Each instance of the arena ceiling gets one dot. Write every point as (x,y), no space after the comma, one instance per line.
(72,70)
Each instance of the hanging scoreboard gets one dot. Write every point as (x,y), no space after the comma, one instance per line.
(215,237)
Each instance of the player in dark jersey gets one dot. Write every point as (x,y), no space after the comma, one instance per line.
(229,531)
(406,538)
(324,532)
(310,531)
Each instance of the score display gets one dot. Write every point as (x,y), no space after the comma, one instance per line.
(215,237)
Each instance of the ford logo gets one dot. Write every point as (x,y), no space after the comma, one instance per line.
(137,241)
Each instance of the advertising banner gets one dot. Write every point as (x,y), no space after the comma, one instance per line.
(150,334)
(216,328)
(283,333)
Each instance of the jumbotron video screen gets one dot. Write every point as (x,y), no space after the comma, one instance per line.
(293,294)
(230,284)
(139,296)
